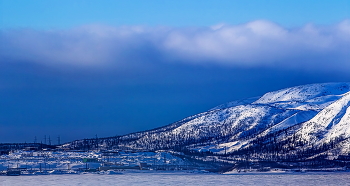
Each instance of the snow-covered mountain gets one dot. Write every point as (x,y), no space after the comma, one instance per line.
(308,120)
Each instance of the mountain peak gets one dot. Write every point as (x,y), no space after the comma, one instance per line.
(303,93)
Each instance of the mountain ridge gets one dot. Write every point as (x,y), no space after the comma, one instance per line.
(302,121)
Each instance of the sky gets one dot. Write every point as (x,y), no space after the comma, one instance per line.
(77,69)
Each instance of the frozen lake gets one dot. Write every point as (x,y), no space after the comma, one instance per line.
(174,178)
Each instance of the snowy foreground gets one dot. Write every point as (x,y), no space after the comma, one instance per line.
(181,178)
(43,168)
(59,162)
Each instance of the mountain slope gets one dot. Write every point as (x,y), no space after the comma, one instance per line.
(330,123)
(287,122)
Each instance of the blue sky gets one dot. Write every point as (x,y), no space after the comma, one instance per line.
(50,14)
(81,68)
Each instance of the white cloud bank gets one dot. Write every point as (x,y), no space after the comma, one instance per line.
(257,43)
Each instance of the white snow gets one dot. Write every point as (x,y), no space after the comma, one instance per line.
(326,120)
(296,118)
(304,93)
(182,178)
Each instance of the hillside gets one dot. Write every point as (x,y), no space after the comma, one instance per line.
(302,122)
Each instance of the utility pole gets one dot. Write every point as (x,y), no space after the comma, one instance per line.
(45,139)
(59,140)
(49,140)
(96,143)
(35,139)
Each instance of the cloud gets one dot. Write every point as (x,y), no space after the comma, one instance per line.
(254,44)
(51,82)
